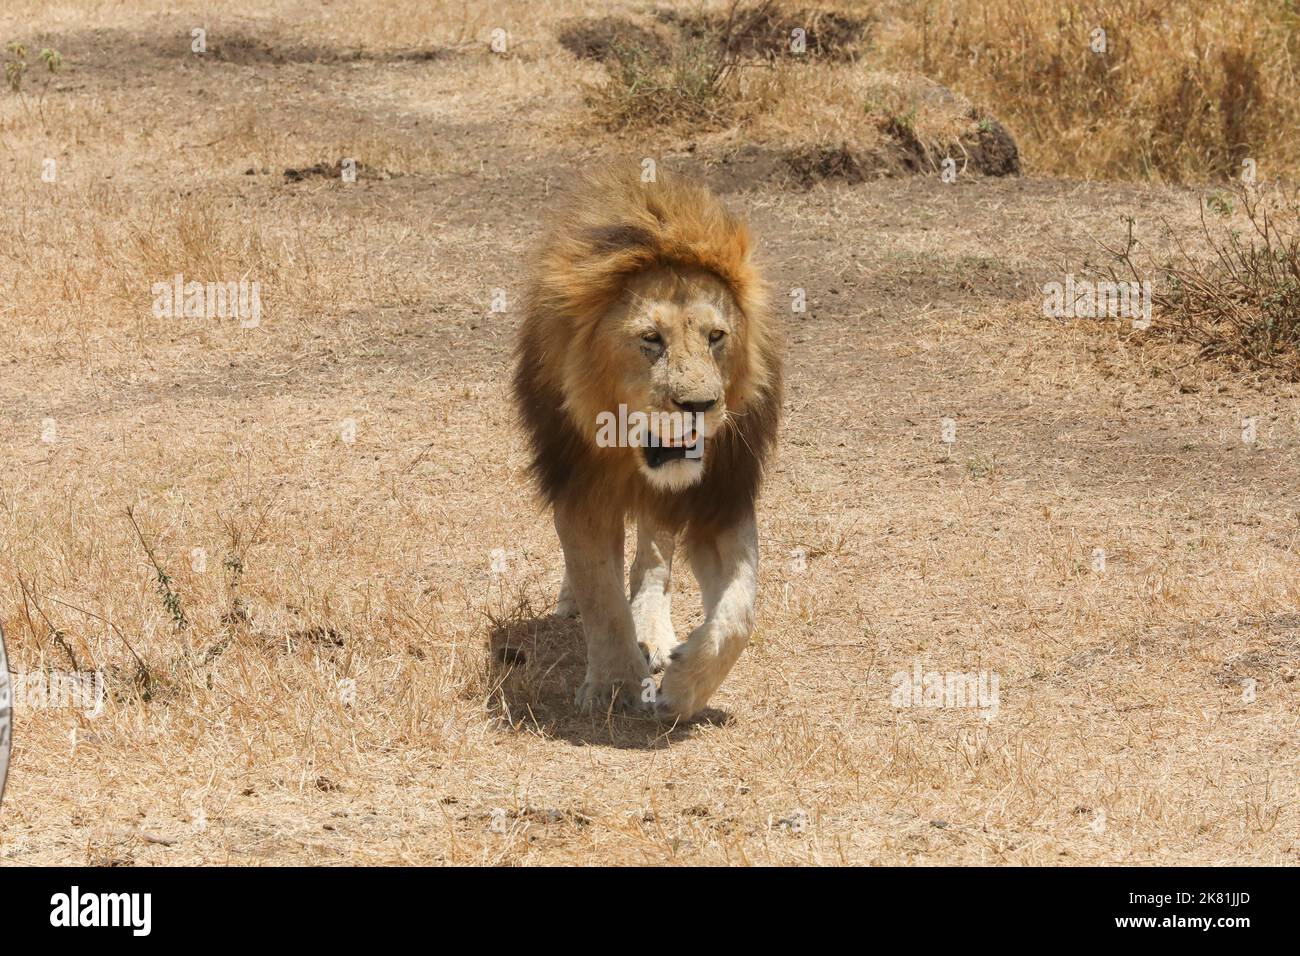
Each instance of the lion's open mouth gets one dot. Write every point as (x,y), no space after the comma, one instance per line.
(657,455)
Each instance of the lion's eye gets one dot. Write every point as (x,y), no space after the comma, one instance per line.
(716,336)
(654,338)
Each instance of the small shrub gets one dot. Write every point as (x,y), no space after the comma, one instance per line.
(16,64)
(1241,303)
(694,84)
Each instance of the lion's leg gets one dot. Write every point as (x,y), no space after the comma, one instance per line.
(727,569)
(651,585)
(593,560)
(566,605)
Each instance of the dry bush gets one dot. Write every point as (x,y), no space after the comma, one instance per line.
(1242,303)
(826,113)
(867,121)
(1183,92)
(688,66)
(694,83)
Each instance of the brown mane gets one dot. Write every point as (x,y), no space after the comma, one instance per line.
(612,228)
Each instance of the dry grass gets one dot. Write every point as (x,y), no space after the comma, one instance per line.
(1182,92)
(327,494)
(731,72)
(694,84)
(1236,299)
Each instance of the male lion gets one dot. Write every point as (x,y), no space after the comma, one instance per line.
(644,300)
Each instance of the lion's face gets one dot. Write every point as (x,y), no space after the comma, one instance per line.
(670,349)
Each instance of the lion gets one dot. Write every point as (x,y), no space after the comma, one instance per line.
(645,306)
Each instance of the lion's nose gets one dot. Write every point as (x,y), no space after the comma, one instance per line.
(695,408)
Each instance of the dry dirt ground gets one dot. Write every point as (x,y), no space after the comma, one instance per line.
(369,672)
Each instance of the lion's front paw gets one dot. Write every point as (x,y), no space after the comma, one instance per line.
(689,682)
(654,632)
(679,698)
(657,653)
(629,695)
(565,605)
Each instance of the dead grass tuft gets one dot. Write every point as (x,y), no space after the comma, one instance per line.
(696,84)
(1240,301)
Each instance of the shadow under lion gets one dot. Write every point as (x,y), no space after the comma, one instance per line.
(535,663)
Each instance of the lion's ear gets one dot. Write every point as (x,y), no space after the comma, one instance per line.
(741,245)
